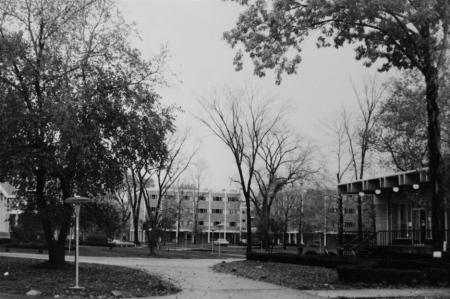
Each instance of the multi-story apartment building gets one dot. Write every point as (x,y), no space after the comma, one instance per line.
(350,213)
(217,214)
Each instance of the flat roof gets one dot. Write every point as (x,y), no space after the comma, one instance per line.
(405,179)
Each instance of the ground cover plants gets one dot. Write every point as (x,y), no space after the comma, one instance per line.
(313,276)
(302,277)
(20,275)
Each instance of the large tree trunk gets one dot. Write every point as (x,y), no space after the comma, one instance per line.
(136,228)
(56,248)
(249,223)
(435,159)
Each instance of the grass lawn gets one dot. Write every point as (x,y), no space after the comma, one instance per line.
(26,274)
(170,251)
(23,275)
(20,275)
(300,277)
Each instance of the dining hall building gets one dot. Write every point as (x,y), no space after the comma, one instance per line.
(403,218)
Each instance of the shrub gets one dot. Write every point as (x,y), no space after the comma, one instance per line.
(307,260)
(438,276)
(379,275)
(97,239)
(29,245)
(5,241)
(407,264)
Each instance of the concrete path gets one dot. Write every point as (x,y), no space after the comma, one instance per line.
(197,280)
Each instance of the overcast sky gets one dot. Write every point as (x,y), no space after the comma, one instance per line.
(202,60)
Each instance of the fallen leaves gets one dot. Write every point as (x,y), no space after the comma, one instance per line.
(296,276)
(98,280)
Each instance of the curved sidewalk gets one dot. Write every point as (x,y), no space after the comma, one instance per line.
(197,280)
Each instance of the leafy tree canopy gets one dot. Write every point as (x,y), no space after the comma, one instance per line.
(72,90)
(404,33)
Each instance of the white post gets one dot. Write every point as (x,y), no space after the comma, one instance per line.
(77,201)
(77,216)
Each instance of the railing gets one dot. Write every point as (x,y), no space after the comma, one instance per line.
(355,243)
(407,237)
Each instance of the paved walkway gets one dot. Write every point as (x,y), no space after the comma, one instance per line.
(197,280)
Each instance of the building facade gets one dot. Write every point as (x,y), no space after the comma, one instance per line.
(7,216)
(217,214)
(402,204)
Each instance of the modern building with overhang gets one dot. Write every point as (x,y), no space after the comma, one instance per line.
(403,222)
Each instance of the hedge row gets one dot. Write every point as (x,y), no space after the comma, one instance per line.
(308,260)
(34,245)
(377,275)
(408,264)
(4,241)
(30,245)
(367,271)
(393,276)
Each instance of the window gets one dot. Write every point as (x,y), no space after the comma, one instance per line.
(349,211)
(186,197)
(233,199)
(216,198)
(201,198)
(243,220)
(333,210)
(153,196)
(232,223)
(202,210)
(349,224)
(201,223)
(216,223)
(232,211)
(243,211)
(217,211)
(153,209)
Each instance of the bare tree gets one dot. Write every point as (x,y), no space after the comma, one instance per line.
(338,148)
(241,118)
(361,132)
(285,158)
(135,184)
(198,177)
(288,205)
(166,171)
(123,207)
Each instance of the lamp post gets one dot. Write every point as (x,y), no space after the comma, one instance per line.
(77,201)
(219,226)
(212,240)
(300,224)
